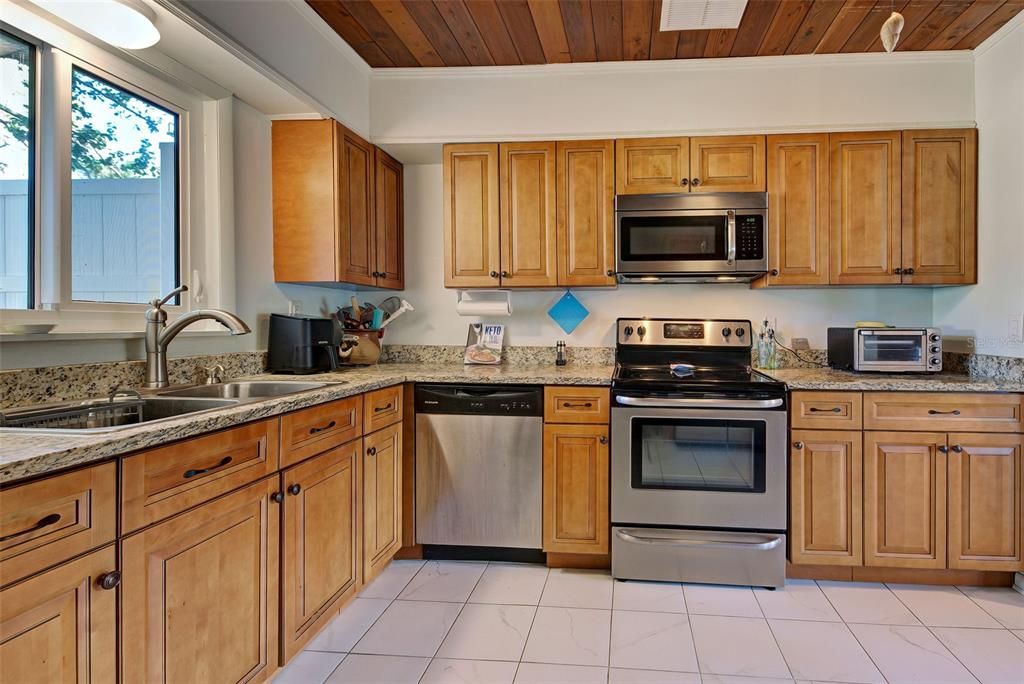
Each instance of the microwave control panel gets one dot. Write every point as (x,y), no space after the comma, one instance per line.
(749,238)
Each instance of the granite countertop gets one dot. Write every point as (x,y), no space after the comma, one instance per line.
(838,381)
(27,454)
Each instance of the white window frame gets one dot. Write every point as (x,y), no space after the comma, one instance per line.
(206,232)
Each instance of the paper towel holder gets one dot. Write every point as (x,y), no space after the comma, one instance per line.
(483,303)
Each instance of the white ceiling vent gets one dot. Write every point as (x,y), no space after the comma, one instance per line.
(688,15)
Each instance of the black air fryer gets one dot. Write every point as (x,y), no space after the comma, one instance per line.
(301,344)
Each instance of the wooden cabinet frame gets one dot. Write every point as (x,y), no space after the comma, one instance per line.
(576,515)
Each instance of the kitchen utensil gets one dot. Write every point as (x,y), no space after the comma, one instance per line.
(378,319)
(391,305)
(357,313)
(405,306)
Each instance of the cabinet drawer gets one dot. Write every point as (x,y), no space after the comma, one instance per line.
(317,429)
(827,410)
(943,411)
(569,404)
(45,522)
(383,408)
(161,482)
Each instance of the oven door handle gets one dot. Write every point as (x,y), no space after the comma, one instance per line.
(670,402)
(731,258)
(767,544)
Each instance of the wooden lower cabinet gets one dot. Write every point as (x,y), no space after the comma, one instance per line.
(199,597)
(382,498)
(826,492)
(905,499)
(60,626)
(576,489)
(985,485)
(320,542)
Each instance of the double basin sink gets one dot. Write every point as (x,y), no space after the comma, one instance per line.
(125,410)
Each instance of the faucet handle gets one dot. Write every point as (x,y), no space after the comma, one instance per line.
(157,303)
(213,374)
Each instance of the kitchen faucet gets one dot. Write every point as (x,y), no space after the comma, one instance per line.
(159,334)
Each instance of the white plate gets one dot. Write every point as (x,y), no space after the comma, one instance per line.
(30,329)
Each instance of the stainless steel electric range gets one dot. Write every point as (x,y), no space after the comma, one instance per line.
(698,458)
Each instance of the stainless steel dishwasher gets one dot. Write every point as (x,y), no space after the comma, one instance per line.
(479,466)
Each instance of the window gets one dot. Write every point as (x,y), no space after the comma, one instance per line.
(17,176)
(124,194)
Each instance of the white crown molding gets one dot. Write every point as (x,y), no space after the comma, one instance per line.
(336,41)
(997,37)
(679,65)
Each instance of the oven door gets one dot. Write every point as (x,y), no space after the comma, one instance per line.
(691,241)
(699,467)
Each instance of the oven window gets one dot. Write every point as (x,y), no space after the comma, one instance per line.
(710,455)
(673,238)
(893,348)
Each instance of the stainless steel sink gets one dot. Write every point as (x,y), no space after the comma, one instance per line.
(245,390)
(106,415)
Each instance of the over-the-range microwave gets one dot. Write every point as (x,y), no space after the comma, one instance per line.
(691,237)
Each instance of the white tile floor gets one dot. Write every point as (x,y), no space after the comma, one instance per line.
(449,622)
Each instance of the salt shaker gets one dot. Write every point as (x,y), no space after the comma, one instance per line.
(560,359)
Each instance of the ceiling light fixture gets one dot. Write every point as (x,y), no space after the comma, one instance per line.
(890,33)
(129,24)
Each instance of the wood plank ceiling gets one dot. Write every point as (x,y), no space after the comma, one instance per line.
(438,33)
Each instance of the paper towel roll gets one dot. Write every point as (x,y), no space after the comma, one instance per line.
(484,303)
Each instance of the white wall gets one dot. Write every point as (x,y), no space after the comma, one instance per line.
(992,312)
(800,313)
(681,96)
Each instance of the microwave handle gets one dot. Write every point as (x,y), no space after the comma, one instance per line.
(731,258)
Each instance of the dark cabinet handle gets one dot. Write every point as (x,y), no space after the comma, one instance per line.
(609,273)
(897,270)
(372,451)
(954,412)
(695,182)
(494,274)
(798,445)
(192,473)
(603,439)
(314,430)
(576,404)
(909,271)
(295,489)
(815,409)
(109,580)
(385,407)
(957,448)
(684,181)
(775,271)
(277,497)
(45,521)
(943,449)
(504,274)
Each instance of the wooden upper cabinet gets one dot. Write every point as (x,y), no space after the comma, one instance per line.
(731,163)
(798,206)
(326,227)
(527,199)
(866,210)
(585,201)
(471,216)
(576,489)
(940,207)
(905,499)
(985,515)
(320,542)
(61,626)
(382,498)
(199,596)
(652,165)
(389,236)
(826,493)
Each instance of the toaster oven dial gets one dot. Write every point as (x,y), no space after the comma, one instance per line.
(934,337)
(935,349)
(934,361)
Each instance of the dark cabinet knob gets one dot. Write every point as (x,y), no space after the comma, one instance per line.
(504,274)
(295,489)
(610,273)
(897,270)
(942,449)
(798,445)
(684,182)
(695,182)
(775,271)
(957,448)
(109,580)
(908,271)
(372,451)
(277,497)
(494,274)
(603,439)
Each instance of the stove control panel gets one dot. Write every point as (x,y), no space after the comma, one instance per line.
(682,332)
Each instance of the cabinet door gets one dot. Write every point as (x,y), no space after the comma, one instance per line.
(576,489)
(471,216)
(585,201)
(729,163)
(60,626)
(199,597)
(940,187)
(798,181)
(390,225)
(652,165)
(905,499)
(356,229)
(528,231)
(320,542)
(826,494)
(865,197)
(985,502)
(382,499)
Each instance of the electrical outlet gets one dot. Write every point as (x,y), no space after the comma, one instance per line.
(801,344)
(1016,331)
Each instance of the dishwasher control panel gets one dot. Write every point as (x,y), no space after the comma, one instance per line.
(492,400)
